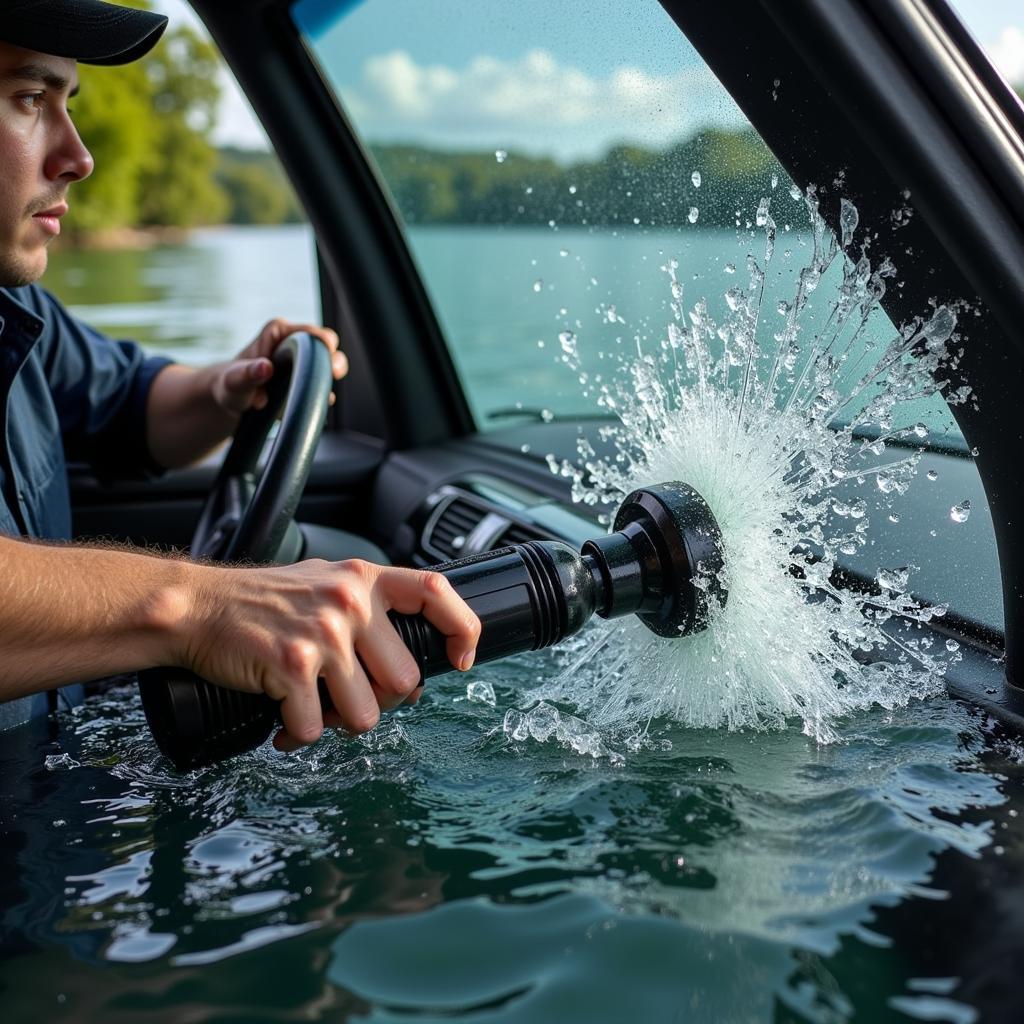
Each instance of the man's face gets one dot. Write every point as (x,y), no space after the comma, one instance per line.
(40,156)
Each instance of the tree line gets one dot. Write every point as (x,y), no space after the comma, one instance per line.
(701,179)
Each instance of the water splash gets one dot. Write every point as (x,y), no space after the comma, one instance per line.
(784,430)
(960,513)
(481,692)
(545,722)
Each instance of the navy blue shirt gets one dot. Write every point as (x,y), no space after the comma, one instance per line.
(67,393)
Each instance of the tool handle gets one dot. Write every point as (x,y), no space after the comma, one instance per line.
(517,592)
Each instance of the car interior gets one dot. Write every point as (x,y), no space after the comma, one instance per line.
(892,98)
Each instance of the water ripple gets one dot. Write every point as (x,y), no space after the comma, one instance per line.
(706,863)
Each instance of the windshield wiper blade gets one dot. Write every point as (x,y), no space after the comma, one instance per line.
(526,411)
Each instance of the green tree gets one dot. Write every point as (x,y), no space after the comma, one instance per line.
(254,197)
(148,126)
(256,186)
(113,116)
(178,187)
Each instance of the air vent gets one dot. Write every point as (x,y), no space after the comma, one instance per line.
(517,534)
(449,528)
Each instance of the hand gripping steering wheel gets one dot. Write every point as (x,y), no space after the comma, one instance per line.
(248,515)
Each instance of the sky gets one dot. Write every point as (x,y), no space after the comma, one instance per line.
(532,76)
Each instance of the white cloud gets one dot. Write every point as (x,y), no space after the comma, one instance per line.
(1008,53)
(533,101)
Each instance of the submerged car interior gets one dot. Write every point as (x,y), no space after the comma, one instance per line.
(892,96)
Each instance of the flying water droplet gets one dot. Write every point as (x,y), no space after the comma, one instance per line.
(501,155)
(932,475)
(514,725)
(481,692)
(695,178)
(939,329)
(542,721)
(538,284)
(56,762)
(960,513)
(893,580)
(848,220)
(693,215)
(687,414)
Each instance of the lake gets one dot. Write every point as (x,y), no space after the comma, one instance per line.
(434,870)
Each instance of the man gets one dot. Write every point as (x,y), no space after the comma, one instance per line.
(71,613)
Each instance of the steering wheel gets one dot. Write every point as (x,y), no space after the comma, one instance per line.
(248,514)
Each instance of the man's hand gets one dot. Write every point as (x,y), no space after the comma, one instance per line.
(190,412)
(241,384)
(278,630)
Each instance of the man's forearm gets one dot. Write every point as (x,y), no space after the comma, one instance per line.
(70,614)
(184,422)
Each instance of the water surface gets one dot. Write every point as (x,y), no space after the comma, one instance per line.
(436,870)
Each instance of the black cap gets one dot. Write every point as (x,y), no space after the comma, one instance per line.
(89,31)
